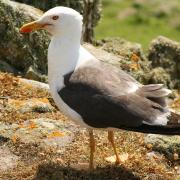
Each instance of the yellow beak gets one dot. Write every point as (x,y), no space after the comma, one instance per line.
(31,27)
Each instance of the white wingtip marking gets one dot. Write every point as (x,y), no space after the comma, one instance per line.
(162,119)
(168,91)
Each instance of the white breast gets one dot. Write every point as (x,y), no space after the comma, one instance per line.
(61,62)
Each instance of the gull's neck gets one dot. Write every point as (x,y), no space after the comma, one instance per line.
(63,56)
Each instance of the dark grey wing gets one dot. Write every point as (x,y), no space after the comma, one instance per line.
(100,94)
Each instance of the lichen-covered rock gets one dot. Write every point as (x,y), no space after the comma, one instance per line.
(159,75)
(21,51)
(30,105)
(121,47)
(43,132)
(169,145)
(91,11)
(165,53)
(32,73)
(132,57)
(8,160)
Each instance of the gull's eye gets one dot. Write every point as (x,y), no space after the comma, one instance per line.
(55,17)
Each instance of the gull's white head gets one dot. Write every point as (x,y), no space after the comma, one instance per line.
(58,21)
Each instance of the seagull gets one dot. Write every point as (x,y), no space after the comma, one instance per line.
(95,94)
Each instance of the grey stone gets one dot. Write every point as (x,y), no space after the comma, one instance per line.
(167,145)
(29,105)
(44,132)
(103,55)
(34,84)
(7,159)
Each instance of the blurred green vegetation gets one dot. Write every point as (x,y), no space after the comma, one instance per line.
(140,20)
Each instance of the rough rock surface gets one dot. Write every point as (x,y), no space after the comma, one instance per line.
(22,51)
(44,132)
(91,11)
(132,58)
(34,84)
(7,159)
(169,145)
(30,105)
(165,55)
(120,46)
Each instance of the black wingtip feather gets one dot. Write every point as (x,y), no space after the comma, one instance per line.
(164,130)
(172,128)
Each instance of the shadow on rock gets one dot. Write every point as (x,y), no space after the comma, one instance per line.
(52,171)
(3,140)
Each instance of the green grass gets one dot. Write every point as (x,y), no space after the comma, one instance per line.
(141,27)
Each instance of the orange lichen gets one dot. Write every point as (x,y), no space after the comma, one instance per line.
(176,103)
(16,103)
(21,125)
(134,66)
(37,100)
(14,138)
(32,125)
(55,134)
(135,57)
(149,146)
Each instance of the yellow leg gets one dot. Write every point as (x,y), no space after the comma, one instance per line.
(111,139)
(92,149)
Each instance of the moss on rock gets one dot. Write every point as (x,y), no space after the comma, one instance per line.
(164,55)
(164,144)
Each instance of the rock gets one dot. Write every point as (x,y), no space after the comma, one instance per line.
(159,75)
(131,57)
(91,11)
(44,132)
(120,46)
(5,67)
(30,105)
(22,51)
(167,145)
(32,73)
(154,155)
(103,55)
(34,84)
(7,159)
(165,55)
